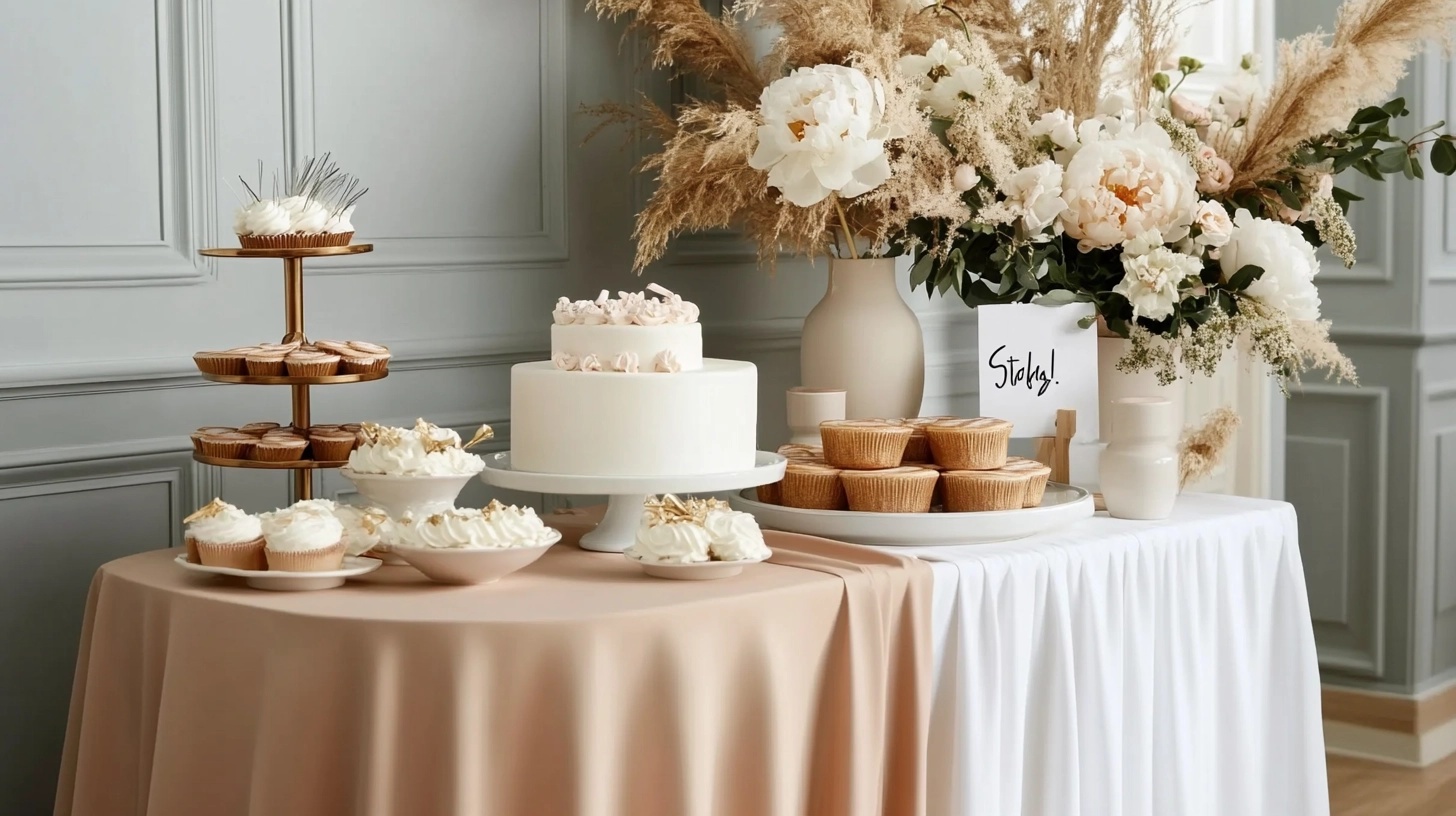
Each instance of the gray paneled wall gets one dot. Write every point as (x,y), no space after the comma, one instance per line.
(461,115)
(1371,467)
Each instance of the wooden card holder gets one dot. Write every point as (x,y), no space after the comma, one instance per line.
(1055,451)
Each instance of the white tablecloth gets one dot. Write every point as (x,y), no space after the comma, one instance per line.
(1126,668)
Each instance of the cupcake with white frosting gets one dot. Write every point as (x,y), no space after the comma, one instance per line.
(306,537)
(693,531)
(221,535)
(315,209)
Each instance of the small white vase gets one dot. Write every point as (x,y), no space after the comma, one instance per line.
(1113,385)
(807,407)
(864,338)
(1139,468)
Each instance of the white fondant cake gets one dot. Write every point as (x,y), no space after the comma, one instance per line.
(646,424)
(645,344)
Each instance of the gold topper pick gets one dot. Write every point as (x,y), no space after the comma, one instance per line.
(483,433)
(212,508)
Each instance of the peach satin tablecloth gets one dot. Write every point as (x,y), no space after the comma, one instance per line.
(578,686)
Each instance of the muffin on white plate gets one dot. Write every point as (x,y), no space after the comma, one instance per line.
(221,535)
(306,537)
(695,531)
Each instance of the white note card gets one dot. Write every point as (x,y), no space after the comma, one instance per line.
(1035,360)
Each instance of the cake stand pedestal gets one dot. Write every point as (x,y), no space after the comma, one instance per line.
(618,529)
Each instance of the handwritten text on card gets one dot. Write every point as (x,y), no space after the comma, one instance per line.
(1035,360)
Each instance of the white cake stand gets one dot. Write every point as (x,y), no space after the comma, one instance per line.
(618,529)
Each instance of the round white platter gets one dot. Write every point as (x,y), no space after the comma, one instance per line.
(280,581)
(702,571)
(618,528)
(1060,506)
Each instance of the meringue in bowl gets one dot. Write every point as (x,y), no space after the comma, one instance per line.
(413,471)
(469,546)
(696,539)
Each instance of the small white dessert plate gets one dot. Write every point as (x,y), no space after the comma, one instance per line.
(280,581)
(1060,505)
(701,571)
(473,566)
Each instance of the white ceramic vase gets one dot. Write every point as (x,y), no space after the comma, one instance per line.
(1113,385)
(864,338)
(807,407)
(1139,468)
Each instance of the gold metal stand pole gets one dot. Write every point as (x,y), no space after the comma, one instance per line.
(293,319)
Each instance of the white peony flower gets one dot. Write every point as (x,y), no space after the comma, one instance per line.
(1057,127)
(1120,188)
(1238,97)
(1215,226)
(822,134)
(1036,193)
(1288,261)
(965,178)
(1150,282)
(927,71)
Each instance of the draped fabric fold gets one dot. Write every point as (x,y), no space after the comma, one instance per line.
(578,686)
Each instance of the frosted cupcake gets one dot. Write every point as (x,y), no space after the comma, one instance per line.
(305,538)
(494,527)
(315,210)
(424,450)
(221,535)
(693,531)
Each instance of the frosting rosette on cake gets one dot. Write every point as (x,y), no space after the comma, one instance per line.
(424,450)
(692,531)
(494,527)
(627,309)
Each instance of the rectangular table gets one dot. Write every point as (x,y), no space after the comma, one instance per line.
(1128,668)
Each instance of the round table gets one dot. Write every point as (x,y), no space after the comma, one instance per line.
(577,686)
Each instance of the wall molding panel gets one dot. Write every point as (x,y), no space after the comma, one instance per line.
(136,471)
(187,179)
(414,254)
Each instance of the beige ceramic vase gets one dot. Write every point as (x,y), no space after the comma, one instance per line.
(1114,385)
(864,338)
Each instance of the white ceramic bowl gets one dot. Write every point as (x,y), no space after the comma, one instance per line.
(472,566)
(408,495)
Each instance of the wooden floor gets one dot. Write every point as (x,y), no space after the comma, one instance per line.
(1360,788)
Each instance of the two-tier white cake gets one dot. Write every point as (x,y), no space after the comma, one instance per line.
(627,392)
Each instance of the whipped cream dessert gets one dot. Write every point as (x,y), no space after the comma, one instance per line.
(494,527)
(317,199)
(218,522)
(364,527)
(301,529)
(692,531)
(424,450)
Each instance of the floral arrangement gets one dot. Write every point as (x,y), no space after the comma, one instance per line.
(1040,151)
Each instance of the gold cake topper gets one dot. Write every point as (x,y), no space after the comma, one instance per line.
(482,434)
(216,507)
(672,510)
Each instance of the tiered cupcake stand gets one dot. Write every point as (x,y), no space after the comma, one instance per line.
(293,320)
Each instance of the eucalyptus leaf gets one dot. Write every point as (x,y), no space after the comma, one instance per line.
(1392,160)
(1443,157)
(1246,275)
(1056,297)
(920,273)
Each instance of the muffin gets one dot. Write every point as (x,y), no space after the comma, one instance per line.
(863,444)
(358,362)
(340,347)
(969,444)
(812,486)
(332,446)
(229,445)
(258,428)
(801,453)
(971,491)
(1040,473)
(312,364)
(894,490)
(771,493)
(267,363)
(220,362)
(221,535)
(917,449)
(201,432)
(370,348)
(280,448)
(303,539)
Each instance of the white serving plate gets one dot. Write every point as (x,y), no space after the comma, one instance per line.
(473,566)
(702,571)
(1061,505)
(291,581)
